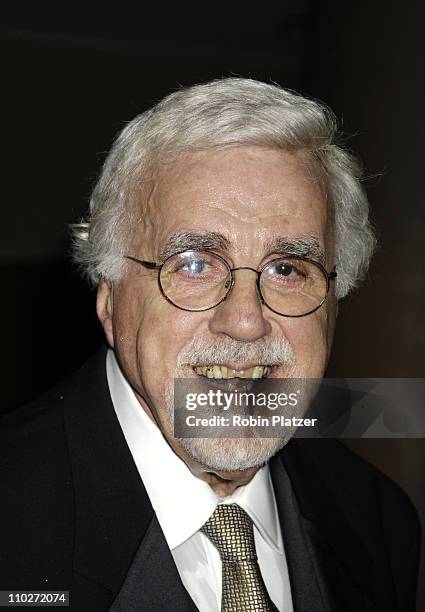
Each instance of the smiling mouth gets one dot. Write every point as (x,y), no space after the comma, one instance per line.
(223,372)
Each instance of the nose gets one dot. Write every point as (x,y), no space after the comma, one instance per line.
(241,314)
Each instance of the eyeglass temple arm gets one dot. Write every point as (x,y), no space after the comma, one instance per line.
(147,264)
(332,275)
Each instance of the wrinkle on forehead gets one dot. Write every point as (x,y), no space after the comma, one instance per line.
(207,162)
(254,212)
(227,186)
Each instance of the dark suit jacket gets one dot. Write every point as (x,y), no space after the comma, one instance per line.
(74,515)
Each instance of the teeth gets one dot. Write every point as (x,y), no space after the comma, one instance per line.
(221,371)
(258,372)
(217,372)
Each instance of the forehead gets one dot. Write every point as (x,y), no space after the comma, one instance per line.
(242,192)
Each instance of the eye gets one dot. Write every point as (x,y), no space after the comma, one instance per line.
(281,268)
(193,267)
(195,270)
(196,266)
(286,274)
(286,270)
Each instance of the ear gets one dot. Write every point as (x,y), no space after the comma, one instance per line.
(104,310)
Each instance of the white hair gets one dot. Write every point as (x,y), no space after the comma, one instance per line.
(224,112)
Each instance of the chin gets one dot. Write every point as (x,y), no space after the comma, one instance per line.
(232,454)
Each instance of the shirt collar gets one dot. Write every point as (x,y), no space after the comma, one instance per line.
(181,501)
(258,500)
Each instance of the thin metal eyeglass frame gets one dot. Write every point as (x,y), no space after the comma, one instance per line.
(330,276)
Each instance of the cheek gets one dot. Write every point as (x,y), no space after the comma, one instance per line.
(126,321)
(163,332)
(153,332)
(309,339)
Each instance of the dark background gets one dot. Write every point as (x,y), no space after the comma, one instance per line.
(73,73)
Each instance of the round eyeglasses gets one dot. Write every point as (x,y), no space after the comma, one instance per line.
(201,280)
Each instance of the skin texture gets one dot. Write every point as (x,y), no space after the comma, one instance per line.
(250,194)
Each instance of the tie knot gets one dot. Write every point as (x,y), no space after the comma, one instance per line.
(230,530)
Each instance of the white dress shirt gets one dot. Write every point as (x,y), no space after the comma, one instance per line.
(183,503)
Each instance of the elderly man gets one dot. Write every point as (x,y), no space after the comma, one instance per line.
(224,227)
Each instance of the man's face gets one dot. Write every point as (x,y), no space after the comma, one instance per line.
(251,196)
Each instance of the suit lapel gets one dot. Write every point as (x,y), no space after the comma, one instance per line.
(340,562)
(307,594)
(112,508)
(153,582)
(115,525)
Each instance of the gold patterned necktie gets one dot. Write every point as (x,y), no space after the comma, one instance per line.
(243,590)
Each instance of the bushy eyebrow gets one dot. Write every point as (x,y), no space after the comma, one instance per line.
(304,246)
(197,241)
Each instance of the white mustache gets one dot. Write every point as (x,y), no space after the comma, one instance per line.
(274,351)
